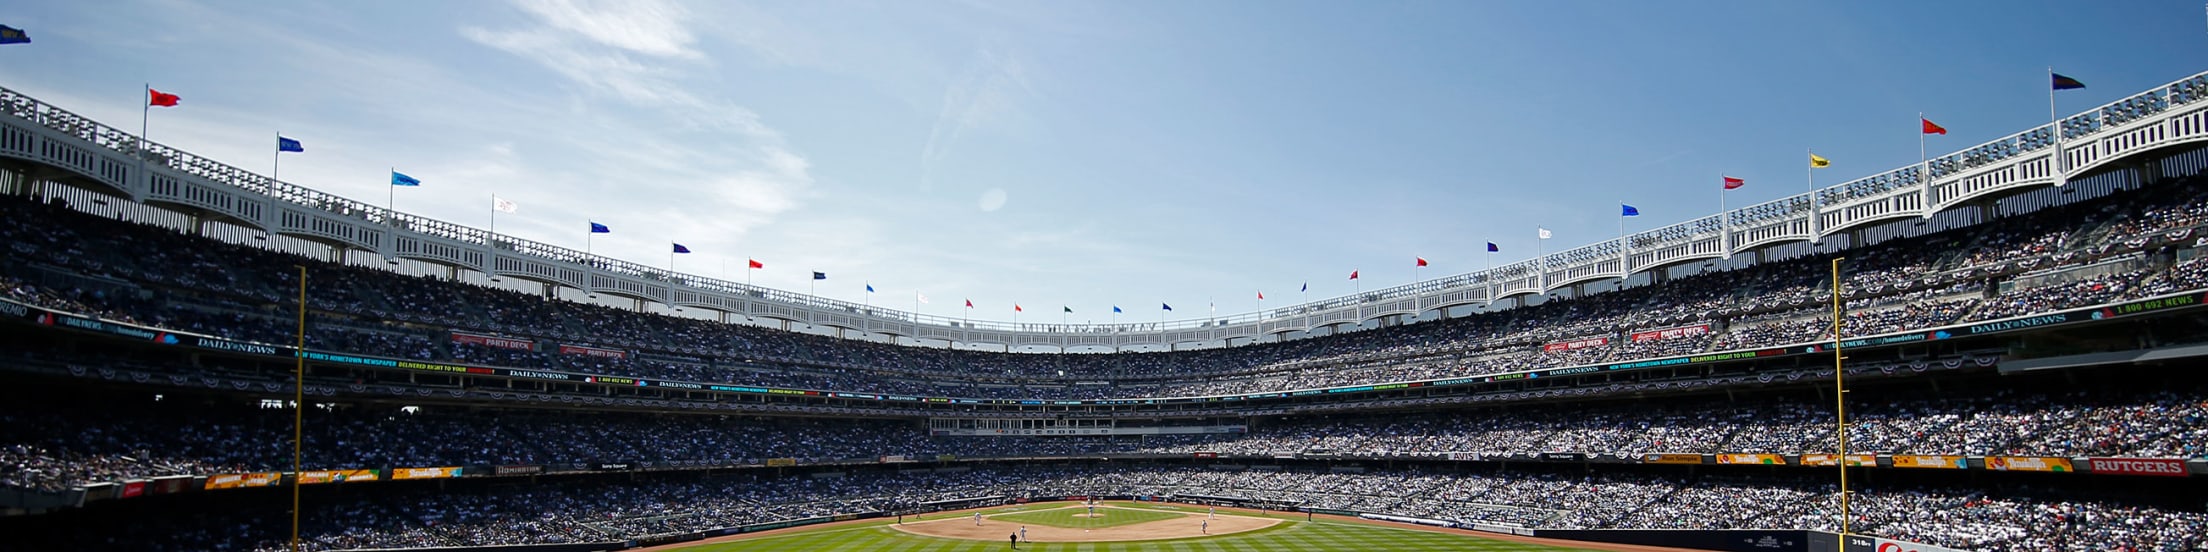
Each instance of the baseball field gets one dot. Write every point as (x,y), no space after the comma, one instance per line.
(1114,527)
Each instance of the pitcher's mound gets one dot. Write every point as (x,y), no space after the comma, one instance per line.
(1191,525)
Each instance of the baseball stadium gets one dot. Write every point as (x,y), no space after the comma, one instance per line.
(1987,347)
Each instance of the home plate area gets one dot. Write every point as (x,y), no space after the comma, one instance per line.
(1075,524)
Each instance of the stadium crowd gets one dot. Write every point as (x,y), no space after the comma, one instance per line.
(53,444)
(65,259)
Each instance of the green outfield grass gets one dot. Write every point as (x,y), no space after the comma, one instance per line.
(1070,517)
(1293,534)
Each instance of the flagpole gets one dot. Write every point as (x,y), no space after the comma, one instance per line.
(391,201)
(1924,164)
(494,217)
(1489,276)
(146,113)
(273,168)
(587,235)
(1725,223)
(1543,250)
(2056,129)
(1811,171)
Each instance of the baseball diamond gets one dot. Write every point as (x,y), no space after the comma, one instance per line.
(1271,531)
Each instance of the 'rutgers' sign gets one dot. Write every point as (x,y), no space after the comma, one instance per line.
(2138,466)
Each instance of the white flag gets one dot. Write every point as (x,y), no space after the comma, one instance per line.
(501,204)
(1544,233)
(923,297)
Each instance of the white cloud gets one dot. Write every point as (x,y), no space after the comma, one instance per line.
(699,167)
(648,27)
(990,90)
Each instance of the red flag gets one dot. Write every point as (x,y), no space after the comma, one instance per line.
(1734,183)
(1353,275)
(756,264)
(1932,128)
(161,99)
(1016,308)
(969,303)
(1421,261)
(1260,295)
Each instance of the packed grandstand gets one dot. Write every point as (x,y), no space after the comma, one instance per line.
(541,420)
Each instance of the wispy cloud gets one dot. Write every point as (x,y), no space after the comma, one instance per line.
(990,89)
(704,165)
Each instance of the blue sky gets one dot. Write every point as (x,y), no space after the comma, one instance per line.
(1083,154)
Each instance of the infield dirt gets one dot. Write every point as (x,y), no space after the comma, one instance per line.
(1186,526)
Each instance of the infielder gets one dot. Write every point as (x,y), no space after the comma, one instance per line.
(1215,512)
(1207,527)
(977,519)
(1023,532)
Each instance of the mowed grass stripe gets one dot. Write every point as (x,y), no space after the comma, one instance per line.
(1293,535)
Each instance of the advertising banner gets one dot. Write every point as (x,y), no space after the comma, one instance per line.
(2029,463)
(241,480)
(781,462)
(599,352)
(312,477)
(614,466)
(1925,461)
(1766,459)
(1671,458)
(2164,467)
(1672,333)
(134,488)
(425,473)
(517,470)
(1860,543)
(1576,344)
(494,342)
(1834,460)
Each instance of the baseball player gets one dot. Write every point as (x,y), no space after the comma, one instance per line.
(1215,512)
(1023,531)
(977,519)
(1207,527)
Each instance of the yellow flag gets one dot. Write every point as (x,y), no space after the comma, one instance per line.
(1816,162)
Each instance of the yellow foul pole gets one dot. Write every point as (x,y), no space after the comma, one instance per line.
(1840,401)
(298,404)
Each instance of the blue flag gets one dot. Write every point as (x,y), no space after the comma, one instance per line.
(870,288)
(1307,286)
(818,275)
(401,179)
(2067,83)
(680,249)
(1491,248)
(286,144)
(1630,212)
(1167,307)
(12,35)
(1115,309)
(596,228)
